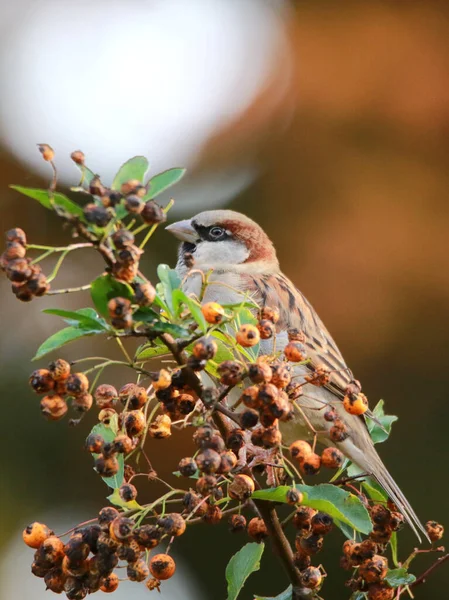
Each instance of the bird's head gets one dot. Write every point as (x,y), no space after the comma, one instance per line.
(225,239)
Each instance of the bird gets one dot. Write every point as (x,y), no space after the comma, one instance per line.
(241,260)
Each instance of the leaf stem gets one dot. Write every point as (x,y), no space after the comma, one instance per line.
(80,288)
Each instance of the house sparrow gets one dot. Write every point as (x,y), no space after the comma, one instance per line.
(242,260)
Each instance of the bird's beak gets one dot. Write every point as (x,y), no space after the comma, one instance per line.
(184,231)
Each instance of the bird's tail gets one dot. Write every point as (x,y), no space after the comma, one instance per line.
(369,461)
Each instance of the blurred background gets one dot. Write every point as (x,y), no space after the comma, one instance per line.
(327,123)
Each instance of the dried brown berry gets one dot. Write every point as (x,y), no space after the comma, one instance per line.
(434,530)
(137,571)
(266,329)
(97,214)
(227,463)
(311,578)
(295,352)
(134,422)
(380,591)
(282,375)
(59,369)
(303,518)
(144,293)
(300,449)
(152,213)
(338,432)
(321,523)
(82,403)
(374,569)
(123,444)
(119,307)
(106,415)
(127,492)
(302,560)
(257,529)
(311,544)
(249,418)
(241,488)
(160,428)
(187,466)
(172,524)
(260,372)
(134,204)
(14,250)
(121,528)
(41,381)
(105,395)
(109,583)
(77,384)
(147,536)
(311,464)
(162,566)
(133,186)
(213,514)
(237,523)
(16,235)
(205,348)
(54,580)
(106,467)
(271,314)
(235,440)
(35,534)
(53,407)
(332,458)
(162,380)
(208,461)
(19,270)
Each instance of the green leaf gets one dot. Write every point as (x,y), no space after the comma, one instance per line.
(372,488)
(63,337)
(87,174)
(162,181)
(170,281)
(51,200)
(179,297)
(151,318)
(394,548)
(82,319)
(115,499)
(106,287)
(224,352)
(334,501)
(285,595)
(108,433)
(240,567)
(134,168)
(397,577)
(378,435)
(348,531)
(149,351)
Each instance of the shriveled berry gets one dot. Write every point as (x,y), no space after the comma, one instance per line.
(106,415)
(260,372)
(271,437)
(213,514)
(35,534)
(374,569)
(301,560)
(121,529)
(122,238)
(82,403)
(186,404)
(133,186)
(319,377)
(76,549)
(127,492)
(148,536)
(97,214)
(237,523)
(249,418)
(96,188)
(37,285)
(144,293)
(14,250)
(160,428)
(16,235)
(241,488)
(172,524)
(257,529)
(77,384)
(303,518)
(231,372)
(332,458)
(53,407)
(74,588)
(41,381)
(282,375)
(94,443)
(250,397)
(208,461)
(248,335)
(227,463)
(19,270)
(380,591)
(266,329)
(134,204)
(107,515)
(135,422)
(294,496)
(235,440)
(338,432)
(311,464)
(380,514)
(119,307)
(311,544)
(205,348)
(105,395)
(129,256)
(106,467)
(161,380)
(123,444)
(330,415)
(109,583)
(434,530)
(187,467)
(311,577)
(269,313)
(59,369)
(78,157)
(213,312)
(137,571)
(322,523)
(54,580)
(152,213)
(295,352)
(206,484)
(162,566)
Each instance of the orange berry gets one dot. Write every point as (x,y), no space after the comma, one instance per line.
(257,529)
(212,312)
(162,380)
(53,407)
(35,534)
(355,404)
(59,369)
(311,577)
(300,450)
(332,458)
(160,428)
(295,352)
(241,487)
(47,152)
(311,464)
(162,566)
(109,583)
(248,335)
(41,381)
(434,530)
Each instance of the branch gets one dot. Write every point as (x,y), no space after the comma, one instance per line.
(422,578)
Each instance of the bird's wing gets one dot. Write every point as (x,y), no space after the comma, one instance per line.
(275,290)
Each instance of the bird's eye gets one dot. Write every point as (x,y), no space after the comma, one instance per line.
(216,232)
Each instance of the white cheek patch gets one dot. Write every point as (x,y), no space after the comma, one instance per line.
(226,252)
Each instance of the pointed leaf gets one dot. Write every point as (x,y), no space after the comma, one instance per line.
(394,548)
(78,318)
(378,435)
(63,337)
(334,501)
(397,577)
(285,595)
(149,351)
(170,281)
(134,168)
(240,567)
(151,318)
(180,297)
(106,287)
(49,201)
(162,181)
(115,499)
(108,433)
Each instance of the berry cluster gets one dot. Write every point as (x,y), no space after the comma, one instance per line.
(27,278)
